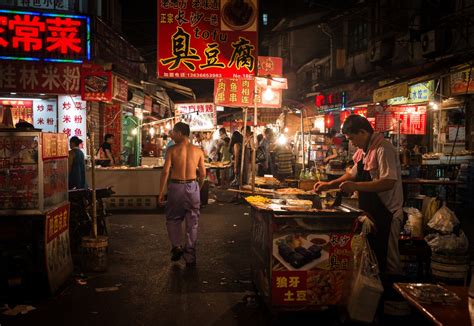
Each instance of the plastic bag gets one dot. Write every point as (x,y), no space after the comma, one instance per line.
(414,222)
(449,244)
(367,287)
(444,220)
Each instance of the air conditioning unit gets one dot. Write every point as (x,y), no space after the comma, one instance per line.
(436,42)
(380,50)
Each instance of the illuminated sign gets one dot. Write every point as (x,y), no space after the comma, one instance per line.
(35,36)
(330,99)
(207,39)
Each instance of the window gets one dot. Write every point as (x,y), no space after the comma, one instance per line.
(357,36)
(265,19)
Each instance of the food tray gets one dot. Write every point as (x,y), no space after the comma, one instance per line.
(320,262)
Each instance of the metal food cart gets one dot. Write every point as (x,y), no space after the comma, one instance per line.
(303,260)
(34,208)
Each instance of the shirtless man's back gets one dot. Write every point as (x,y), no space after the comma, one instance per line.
(182,160)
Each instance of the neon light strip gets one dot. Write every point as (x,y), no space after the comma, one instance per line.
(63,60)
(19,58)
(63,16)
(88,39)
(20,12)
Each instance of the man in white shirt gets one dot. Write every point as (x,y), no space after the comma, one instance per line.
(376,176)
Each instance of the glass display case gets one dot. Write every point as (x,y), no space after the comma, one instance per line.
(33,171)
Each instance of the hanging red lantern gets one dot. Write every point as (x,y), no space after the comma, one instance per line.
(343,116)
(329,121)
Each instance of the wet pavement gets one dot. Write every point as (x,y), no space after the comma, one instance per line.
(151,290)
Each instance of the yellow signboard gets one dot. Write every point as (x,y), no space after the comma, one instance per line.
(389,92)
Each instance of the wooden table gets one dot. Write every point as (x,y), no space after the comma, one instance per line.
(440,314)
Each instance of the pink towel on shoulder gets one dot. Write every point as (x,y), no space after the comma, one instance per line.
(370,160)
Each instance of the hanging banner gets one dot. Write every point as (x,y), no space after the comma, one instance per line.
(417,93)
(207,38)
(462,82)
(199,116)
(44,115)
(270,66)
(113,125)
(120,89)
(44,36)
(412,120)
(72,118)
(96,84)
(39,77)
(233,92)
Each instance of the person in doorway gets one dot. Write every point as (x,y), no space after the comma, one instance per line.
(225,157)
(284,161)
(77,166)
(376,176)
(181,164)
(105,151)
(331,152)
(266,144)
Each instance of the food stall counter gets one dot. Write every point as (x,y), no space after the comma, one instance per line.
(302,257)
(134,187)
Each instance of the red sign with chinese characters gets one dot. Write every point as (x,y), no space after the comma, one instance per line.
(96,84)
(113,125)
(199,116)
(207,38)
(412,120)
(39,77)
(44,36)
(57,221)
(120,89)
(289,287)
(234,92)
(330,99)
(270,66)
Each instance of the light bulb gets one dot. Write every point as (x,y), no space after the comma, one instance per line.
(282,139)
(168,126)
(152,131)
(134,131)
(268,94)
(286,129)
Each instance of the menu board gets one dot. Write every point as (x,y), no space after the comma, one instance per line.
(44,115)
(54,146)
(199,116)
(323,280)
(19,172)
(412,120)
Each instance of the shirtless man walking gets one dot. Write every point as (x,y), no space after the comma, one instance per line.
(182,160)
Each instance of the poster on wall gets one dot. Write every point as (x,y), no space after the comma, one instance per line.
(19,172)
(207,39)
(199,116)
(58,251)
(462,82)
(44,115)
(72,118)
(120,89)
(270,66)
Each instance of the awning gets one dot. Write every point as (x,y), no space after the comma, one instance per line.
(180,89)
